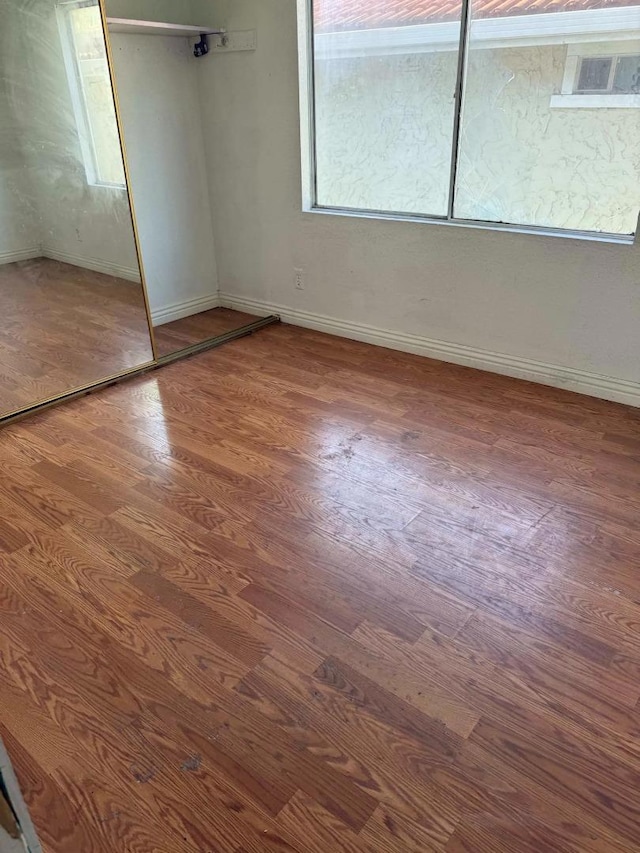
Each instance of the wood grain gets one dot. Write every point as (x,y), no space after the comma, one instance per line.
(300,594)
(64,327)
(178,334)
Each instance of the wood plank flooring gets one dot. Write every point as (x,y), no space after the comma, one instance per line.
(179,334)
(64,327)
(302,594)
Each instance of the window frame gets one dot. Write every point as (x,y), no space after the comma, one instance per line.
(78,96)
(610,75)
(306,69)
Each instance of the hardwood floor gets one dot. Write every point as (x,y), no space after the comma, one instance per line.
(179,334)
(63,327)
(302,594)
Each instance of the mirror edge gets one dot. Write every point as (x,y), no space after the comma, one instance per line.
(127,175)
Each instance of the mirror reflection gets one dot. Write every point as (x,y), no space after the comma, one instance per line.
(72,308)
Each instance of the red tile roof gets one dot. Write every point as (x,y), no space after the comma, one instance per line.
(338,15)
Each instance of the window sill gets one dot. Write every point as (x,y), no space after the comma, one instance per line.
(589,102)
(591,236)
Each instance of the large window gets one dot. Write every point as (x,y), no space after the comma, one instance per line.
(465,110)
(88,73)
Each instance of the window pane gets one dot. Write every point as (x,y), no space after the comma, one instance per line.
(385,75)
(93,72)
(523,161)
(627,76)
(594,75)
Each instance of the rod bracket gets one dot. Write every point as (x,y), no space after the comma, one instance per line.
(201,48)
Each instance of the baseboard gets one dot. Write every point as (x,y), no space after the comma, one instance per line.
(178,310)
(21,255)
(581,381)
(106,267)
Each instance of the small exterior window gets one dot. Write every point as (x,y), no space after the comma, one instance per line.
(595,75)
(612,74)
(601,75)
(82,38)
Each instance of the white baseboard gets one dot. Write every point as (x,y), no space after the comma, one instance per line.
(106,267)
(178,310)
(581,381)
(21,255)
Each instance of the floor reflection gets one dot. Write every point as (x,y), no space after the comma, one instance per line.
(63,327)
(179,334)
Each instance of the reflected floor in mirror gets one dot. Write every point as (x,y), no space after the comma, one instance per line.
(179,334)
(63,327)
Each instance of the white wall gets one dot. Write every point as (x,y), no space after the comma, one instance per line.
(175,11)
(563,311)
(157,82)
(19,233)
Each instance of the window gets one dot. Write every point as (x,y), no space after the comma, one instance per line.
(450,110)
(82,37)
(612,74)
(595,75)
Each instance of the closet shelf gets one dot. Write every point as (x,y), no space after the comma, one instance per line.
(158,28)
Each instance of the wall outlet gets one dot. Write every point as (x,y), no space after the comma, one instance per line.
(298,279)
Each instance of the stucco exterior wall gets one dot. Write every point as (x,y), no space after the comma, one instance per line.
(384,128)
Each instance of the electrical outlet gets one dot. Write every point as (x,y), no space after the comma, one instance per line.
(299,279)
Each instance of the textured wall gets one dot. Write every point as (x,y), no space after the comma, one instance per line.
(19,231)
(524,162)
(384,141)
(385,127)
(73,218)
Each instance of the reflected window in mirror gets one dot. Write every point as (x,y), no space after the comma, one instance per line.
(72,302)
(88,72)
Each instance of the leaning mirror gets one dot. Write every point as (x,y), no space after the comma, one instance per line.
(72,306)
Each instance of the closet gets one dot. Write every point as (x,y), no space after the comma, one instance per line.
(107,257)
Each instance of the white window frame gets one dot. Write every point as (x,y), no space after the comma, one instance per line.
(570,99)
(78,98)
(584,28)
